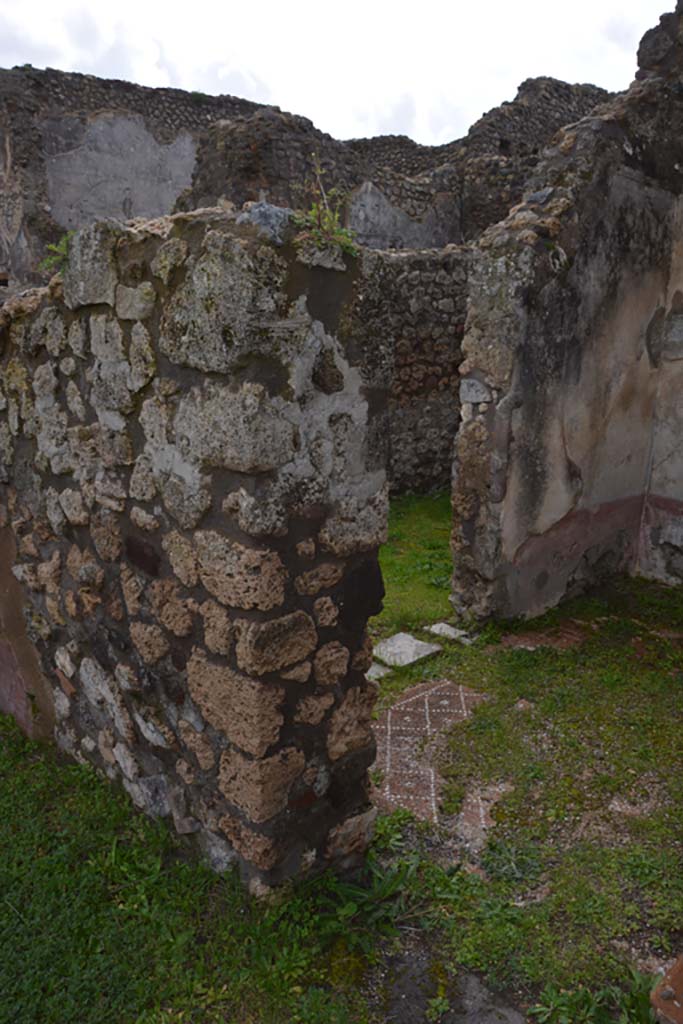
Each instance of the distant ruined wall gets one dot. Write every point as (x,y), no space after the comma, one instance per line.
(272,155)
(568,455)
(192,459)
(500,151)
(423,296)
(74,149)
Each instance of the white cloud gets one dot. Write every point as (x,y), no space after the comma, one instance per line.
(369,67)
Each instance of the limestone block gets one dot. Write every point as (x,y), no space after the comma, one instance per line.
(242,430)
(350,725)
(171,254)
(141,358)
(135,303)
(404,649)
(356,525)
(240,576)
(260,788)
(100,690)
(208,321)
(268,646)
(474,391)
(90,274)
(244,710)
(48,330)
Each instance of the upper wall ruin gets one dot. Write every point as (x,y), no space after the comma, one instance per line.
(75,149)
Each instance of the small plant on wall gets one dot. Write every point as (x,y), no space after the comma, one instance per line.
(321,224)
(57,256)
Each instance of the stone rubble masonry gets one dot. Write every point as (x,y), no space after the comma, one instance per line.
(79,150)
(194,521)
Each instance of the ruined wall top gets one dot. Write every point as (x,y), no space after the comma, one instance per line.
(28,91)
(661,49)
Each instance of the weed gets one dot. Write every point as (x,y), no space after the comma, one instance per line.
(390,831)
(436,1008)
(57,257)
(629,1005)
(321,223)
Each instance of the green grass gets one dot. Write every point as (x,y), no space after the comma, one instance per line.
(107,916)
(416,564)
(573,885)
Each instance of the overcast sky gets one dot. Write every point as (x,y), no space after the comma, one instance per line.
(427,69)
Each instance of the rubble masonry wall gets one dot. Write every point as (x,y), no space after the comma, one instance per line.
(194,479)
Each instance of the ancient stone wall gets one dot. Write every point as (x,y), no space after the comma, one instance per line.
(501,150)
(273,155)
(193,467)
(423,299)
(566,459)
(75,148)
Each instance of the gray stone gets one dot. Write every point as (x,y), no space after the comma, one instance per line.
(48,330)
(481,1006)
(154,790)
(404,649)
(272,221)
(328,257)
(135,303)
(448,632)
(540,197)
(241,430)
(474,391)
(673,343)
(171,255)
(377,671)
(218,852)
(211,319)
(141,355)
(90,274)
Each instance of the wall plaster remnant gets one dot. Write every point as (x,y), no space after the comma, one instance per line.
(568,460)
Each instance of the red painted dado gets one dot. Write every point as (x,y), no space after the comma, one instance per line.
(13,690)
(582,528)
